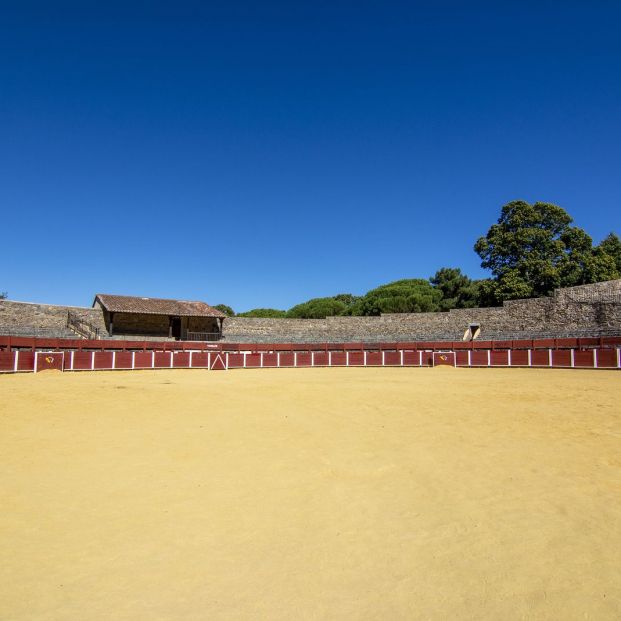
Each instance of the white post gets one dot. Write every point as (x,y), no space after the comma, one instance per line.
(383,358)
(16,364)
(312,359)
(549,357)
(133,360)
(278,359)
(92,361)
(571,355)
(365,357)
(455,359)
(330,358)
(618,358)
(191,356)
(171,359)
(226,360)
(469,357)
(295,358)
(509,358)
(420,358)
(401,357)
(489,358)
(152,359)
(595,358)
(530,358)
(245,357)
(261,355)
(347,358)
(113,360)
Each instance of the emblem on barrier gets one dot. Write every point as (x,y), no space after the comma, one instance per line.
(443,357)
(49,359)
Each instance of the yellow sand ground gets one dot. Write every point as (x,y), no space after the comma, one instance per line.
(381,494)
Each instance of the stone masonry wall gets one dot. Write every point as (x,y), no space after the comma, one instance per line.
(588,308)
(45,317)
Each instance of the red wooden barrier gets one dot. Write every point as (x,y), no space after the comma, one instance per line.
(605,356)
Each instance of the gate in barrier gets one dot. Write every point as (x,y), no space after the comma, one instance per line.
(443,358)
(48,360)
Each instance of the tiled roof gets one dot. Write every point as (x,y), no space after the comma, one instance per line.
(155,306)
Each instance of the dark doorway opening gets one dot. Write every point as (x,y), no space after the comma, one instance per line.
(176,327)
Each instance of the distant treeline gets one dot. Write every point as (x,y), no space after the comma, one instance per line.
(530,251)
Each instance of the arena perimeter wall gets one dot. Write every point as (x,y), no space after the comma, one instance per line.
(586,309)
(602,353)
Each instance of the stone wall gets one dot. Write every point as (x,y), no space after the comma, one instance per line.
(588,309)
(47,319)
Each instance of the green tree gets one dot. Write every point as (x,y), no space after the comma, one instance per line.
(533,249)
(611,245)
(264,313)
(411,295)
(227,310)
(3,295)
(318,308)
(458,291)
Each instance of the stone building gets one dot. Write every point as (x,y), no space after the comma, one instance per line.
(157,317)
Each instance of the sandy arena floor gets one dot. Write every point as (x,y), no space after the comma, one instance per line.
(381,494)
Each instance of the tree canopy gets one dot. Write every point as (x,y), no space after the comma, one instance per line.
(533,249)
(318,308)
(458,291)
(530,251)
(410,295)
(227,310)
(263,313)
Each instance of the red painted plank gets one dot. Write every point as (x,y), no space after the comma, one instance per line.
(499,358)
(374,358)
(561,358)
(519,358)
(339,358)
(253,360)
(286,359)
(236,361)
(461,358)
(540,358)
(200,360)
(82,360)
(478,358)
(123,360)
(303,359)
(25,361)
(606,358)
(392,358)
(181,360)
(143,360)
(103,360)
(583,358)
(162,360)
(270,360)
(7,361)
(321,359)
(356,358)
(411,358)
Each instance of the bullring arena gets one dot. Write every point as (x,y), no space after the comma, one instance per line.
(403,479)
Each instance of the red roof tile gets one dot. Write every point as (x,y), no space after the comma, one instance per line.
(155,306)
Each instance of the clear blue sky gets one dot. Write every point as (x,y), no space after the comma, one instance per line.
(263,153)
